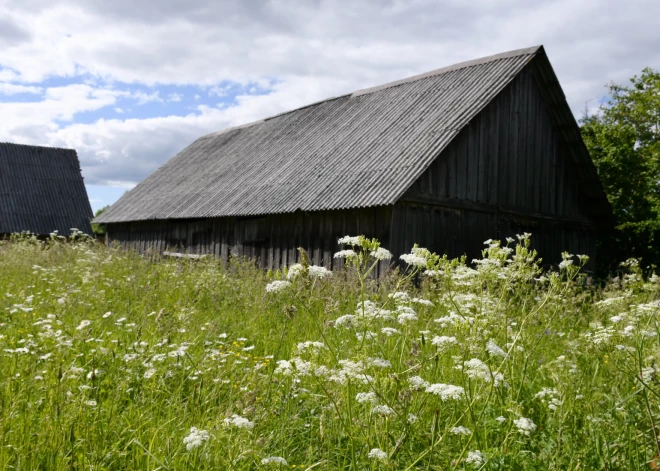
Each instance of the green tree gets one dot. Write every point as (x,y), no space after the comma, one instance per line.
(624,141)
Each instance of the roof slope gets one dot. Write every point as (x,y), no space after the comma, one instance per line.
(41,190)
(358,150)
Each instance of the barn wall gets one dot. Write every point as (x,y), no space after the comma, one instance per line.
(507,172)
(271,240)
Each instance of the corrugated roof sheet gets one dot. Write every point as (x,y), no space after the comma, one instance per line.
(358,150)
(41,190)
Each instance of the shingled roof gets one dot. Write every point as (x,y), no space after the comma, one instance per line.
(41,190)
(358,150)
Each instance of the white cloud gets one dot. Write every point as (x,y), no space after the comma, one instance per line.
(13,89)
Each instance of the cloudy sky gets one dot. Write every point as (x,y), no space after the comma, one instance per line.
(129,83)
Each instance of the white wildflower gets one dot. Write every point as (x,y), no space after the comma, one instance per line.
(377,454)
(91,403)
(383,410)
(446,391)
(368,397)
(275,460)
(413,260)
(460,430)
(319,272)
(412,418)
(495,350)
(294,271)
(389,331)
(417,382)
(347,321)
(381,254)
(525,425)
(276,286)
(149,373)
(345,254)
(443,342)
(501,419)
(405,314)
(107,314)
(475,458)
(196,438)
(238,422)
(348,240)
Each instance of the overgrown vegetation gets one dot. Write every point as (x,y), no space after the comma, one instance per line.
(114,361)
(623,139)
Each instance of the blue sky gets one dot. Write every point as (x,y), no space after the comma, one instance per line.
(129,84)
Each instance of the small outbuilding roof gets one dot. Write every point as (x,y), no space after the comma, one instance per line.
(357,150)
(42,190)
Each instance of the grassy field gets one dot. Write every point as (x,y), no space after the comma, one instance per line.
(111,361)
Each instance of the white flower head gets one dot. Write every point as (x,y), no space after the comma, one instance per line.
(345,254)
(276,286)
(414,260)
(525,425)
(277,460)
(447,392)
(349,240)
(460,430)
(381,254)
(475,458)
(238,422)
(195,438)
(377,454)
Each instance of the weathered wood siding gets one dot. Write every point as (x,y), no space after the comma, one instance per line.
(271,240)
(509,171)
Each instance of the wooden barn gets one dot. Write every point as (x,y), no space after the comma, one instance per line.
(482,149)
(41,191)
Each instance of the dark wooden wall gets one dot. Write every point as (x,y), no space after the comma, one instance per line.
(507,172)
(271,240)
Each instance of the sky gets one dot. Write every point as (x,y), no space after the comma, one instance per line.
(130,83)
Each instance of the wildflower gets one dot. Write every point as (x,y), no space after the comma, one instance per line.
(276,286)
(195,438)
(275,460)
(45,357)
(319,272)
(443,341)
(348,240)
(91,403)
(383,410)
(83,324)
(107,314)
(380,362)
(495,350)
(345,254)
(423,302)
(389,331)
(417,382)
(347,321)
(446,391)
(238,422)
(377,454)
(294,271)
(368,397)
(93,374)
(476,368)
(309,345)
(412,418)
(381,254)
(414,260)
(501,419)
(475,458)
(460,430)
(149,373)
(525,425)
(406,314)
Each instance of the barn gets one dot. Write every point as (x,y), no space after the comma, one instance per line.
(41,191)
(446,159)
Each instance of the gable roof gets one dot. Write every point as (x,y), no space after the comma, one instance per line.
(357,150)
(42,190)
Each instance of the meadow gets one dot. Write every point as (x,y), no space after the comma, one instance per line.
(113,361)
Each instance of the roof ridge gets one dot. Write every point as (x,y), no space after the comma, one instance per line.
(450,68)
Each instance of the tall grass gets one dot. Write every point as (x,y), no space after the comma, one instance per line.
(112,361)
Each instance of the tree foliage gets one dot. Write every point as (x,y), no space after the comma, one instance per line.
(624,141)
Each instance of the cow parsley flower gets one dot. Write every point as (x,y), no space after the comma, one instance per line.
(525,425)
(91,403)
(149,373)
(278,460)
(348,240)
(416,382)
(495,350)
(389,331)
(446,391)
(319,272)
(294,270)
(196,438)
(383,410)
(345,254)
(276,286)
(443,342)
(368,397)
(377,454)
(381,254)
(460,430)
(475,458)
(238,422)
(413,260)
(405,314)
